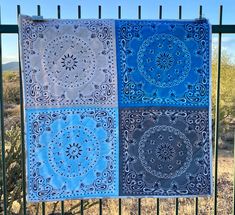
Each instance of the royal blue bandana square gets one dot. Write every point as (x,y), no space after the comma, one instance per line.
(73,153)
(116,108)
(163,63)
(164,152)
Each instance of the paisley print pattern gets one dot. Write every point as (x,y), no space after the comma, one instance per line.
(116,108)
(164,152)
(72,153)
(163,63)
(68,63)
(61,59)
(171,146)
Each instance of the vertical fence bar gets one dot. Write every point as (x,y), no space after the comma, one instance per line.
(119,206)
(43,208)
(158,200)
(81,207)
(217,114)
(139,12)
(58,12)
(2,132)
(196,206)
(43,203)
(180,12)
(81,202)
(100,201)
(59,16)
(119,12)
(79,11)
(160,12)
(38,10)
(139,199)
(234,172)
(22,130)
(119,200)
(177,200)
(200,12)
(176,206)
(99,12)
(196,199)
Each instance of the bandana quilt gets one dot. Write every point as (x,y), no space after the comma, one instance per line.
(116,108)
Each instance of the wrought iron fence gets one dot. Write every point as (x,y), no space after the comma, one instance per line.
(218,29)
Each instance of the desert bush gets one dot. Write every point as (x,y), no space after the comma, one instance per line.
(11,87)
(13,166)
(227,92)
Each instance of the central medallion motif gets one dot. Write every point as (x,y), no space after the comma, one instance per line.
(70,159)
(69,61)
(73,151)
(164,60)
(165,152)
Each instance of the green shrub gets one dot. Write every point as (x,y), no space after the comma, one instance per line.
(227,92)
(13,165)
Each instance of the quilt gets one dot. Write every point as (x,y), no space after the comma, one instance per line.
(116,108)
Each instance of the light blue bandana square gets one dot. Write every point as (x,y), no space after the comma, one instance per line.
(72,153)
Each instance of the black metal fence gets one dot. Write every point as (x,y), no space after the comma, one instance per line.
(218,29)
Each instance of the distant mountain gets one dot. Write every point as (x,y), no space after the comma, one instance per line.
(11,66)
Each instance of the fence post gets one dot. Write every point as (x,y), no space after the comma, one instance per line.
(22,129)
(217,117)
(5,199)
(119,200)
(234,172)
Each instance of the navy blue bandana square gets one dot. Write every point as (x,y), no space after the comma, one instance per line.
(164,152)
(163,62)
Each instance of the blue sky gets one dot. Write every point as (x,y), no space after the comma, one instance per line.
(190,10)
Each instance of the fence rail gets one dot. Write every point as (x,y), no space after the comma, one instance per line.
(216,29)
(13,29)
